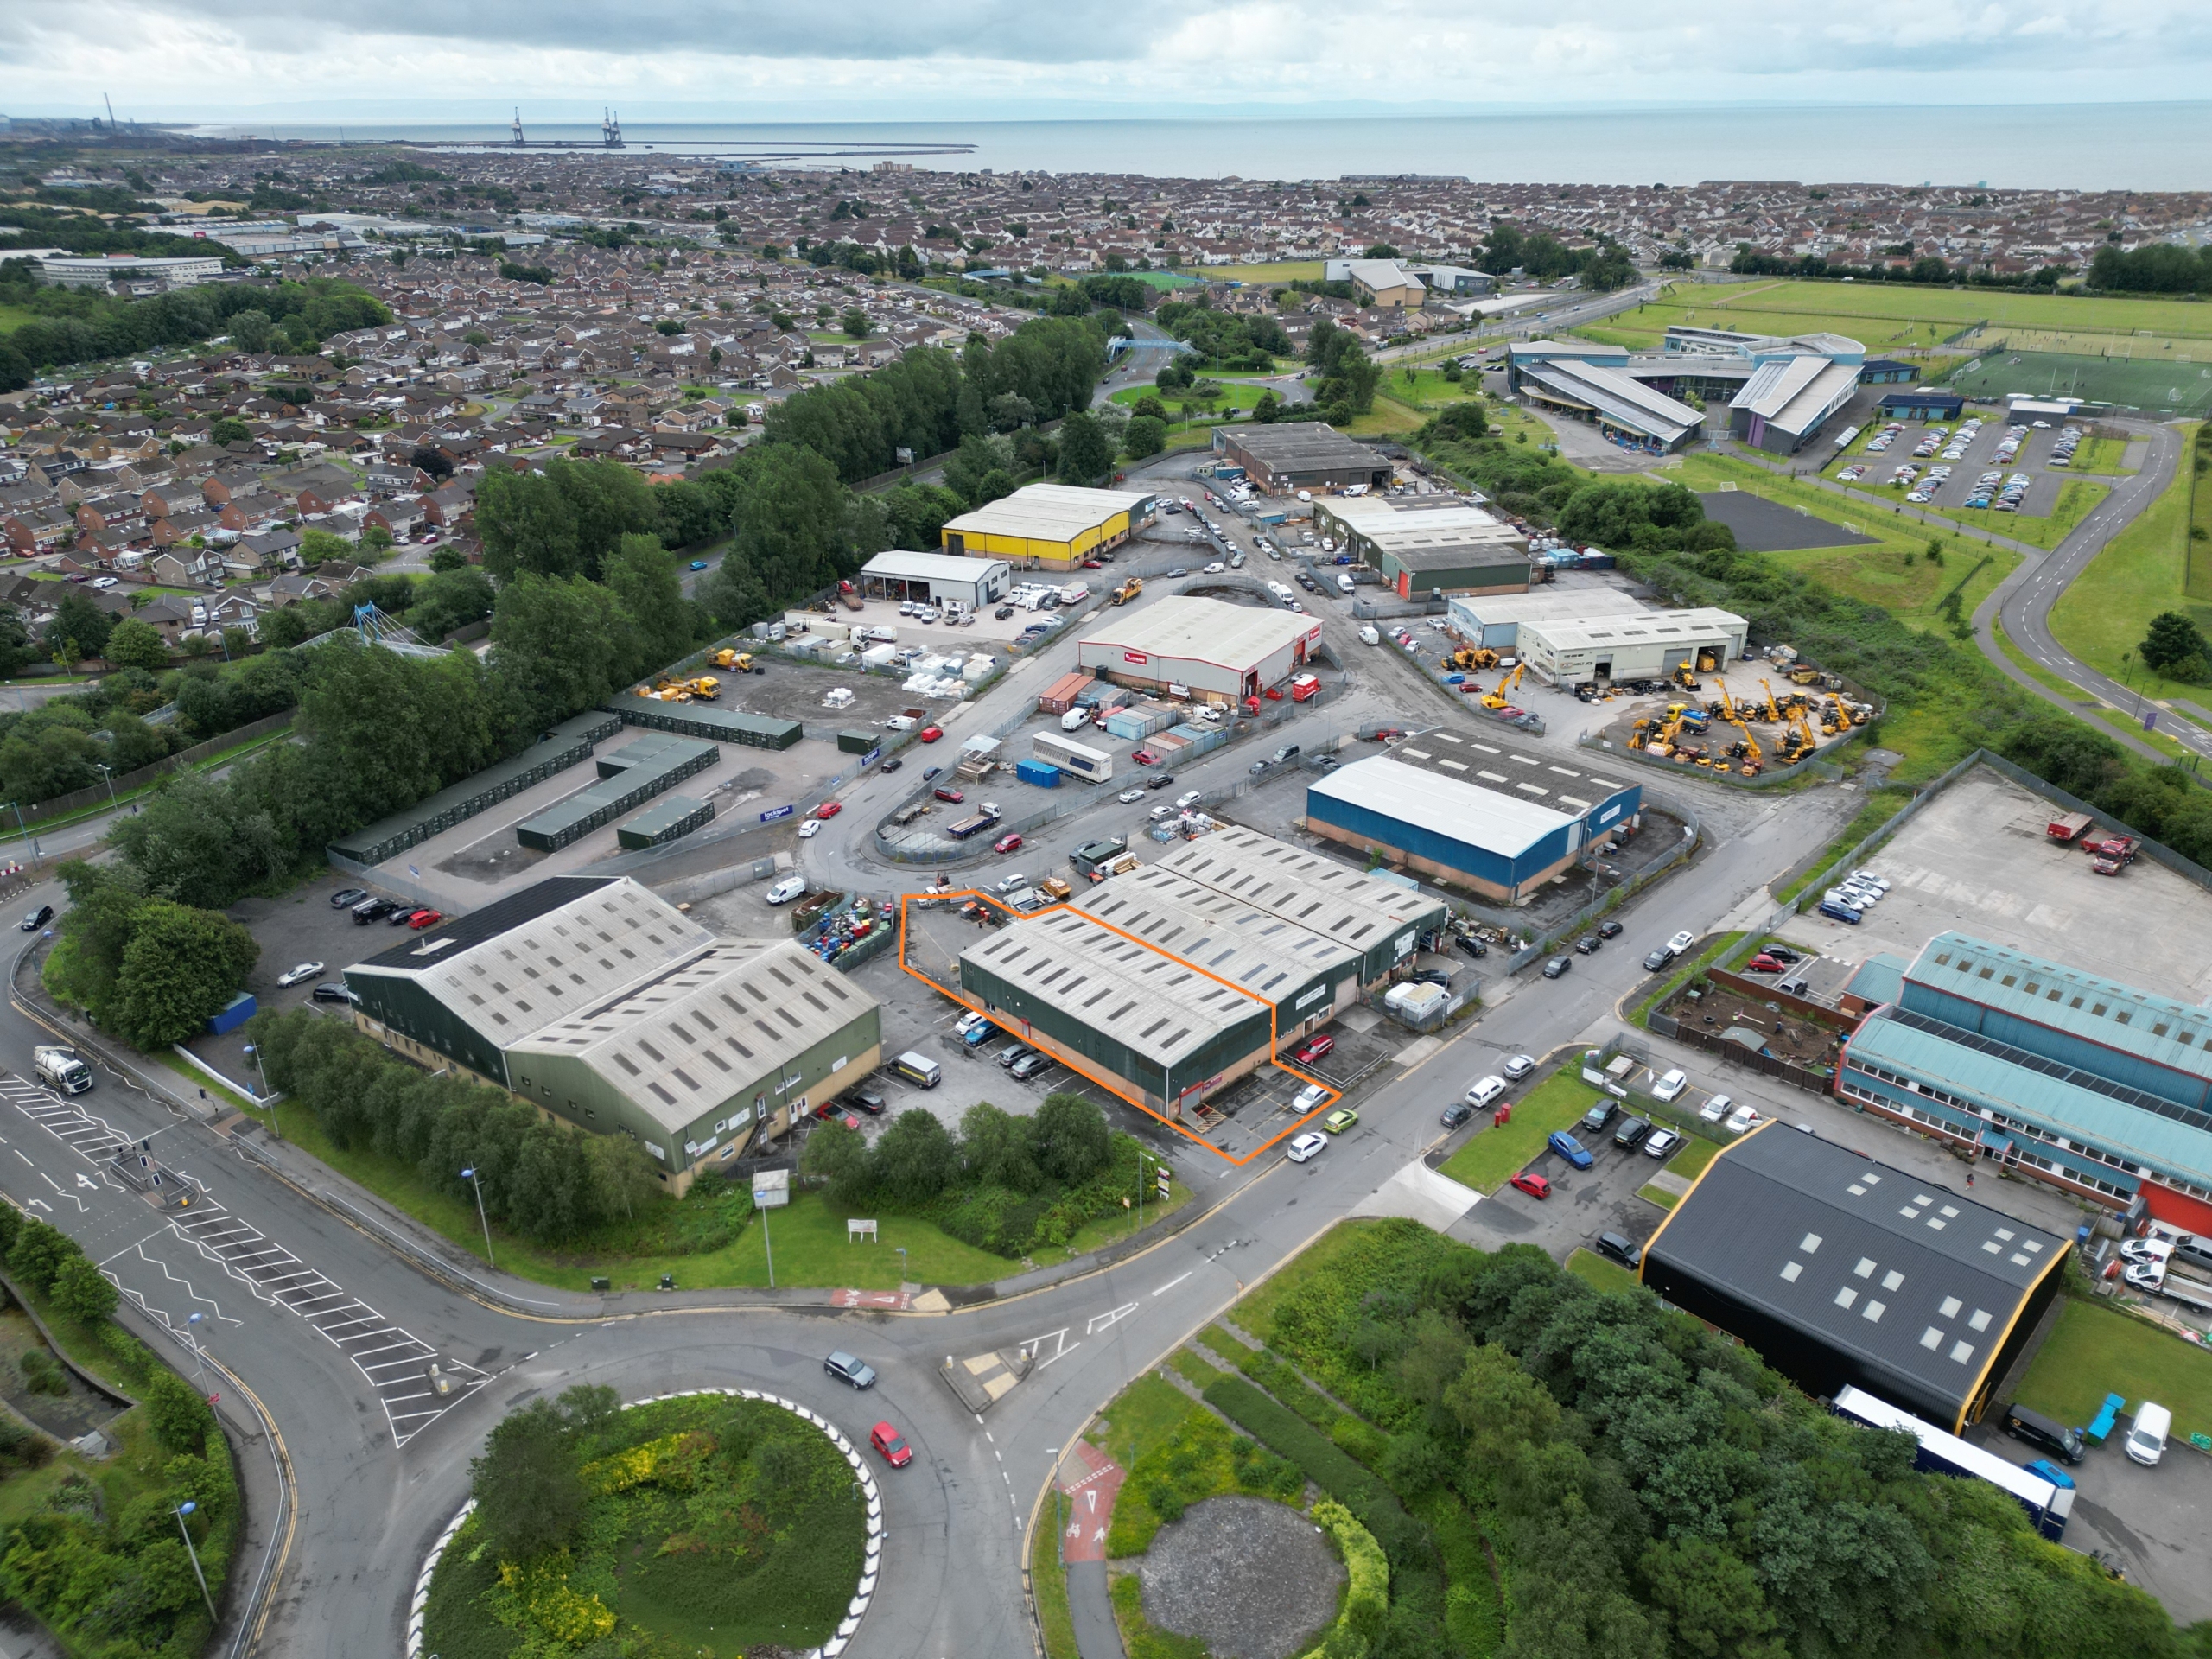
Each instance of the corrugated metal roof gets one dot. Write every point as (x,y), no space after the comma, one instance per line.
(1618,394)
(902,566)
(1774,382)
(1141,997)
(1662,627)
(1389,529)
(1047,512)
(2160,1029)
(1257,949)
(1319,894)
(1460,811)
(1207,630)
(2063,1099)
(1873,1260)
(691,1037)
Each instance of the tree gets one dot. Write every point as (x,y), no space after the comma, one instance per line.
(526,525)
(559,646)
(856,323)
(643,578)
(134,643)
(430,459)
(839,1155)
(915,1160)
(250,331)
(1147,436)
(181,966)
(529,1494)
(623,1175)
(230,430)
(1071,1138)
(2176,647)
(320,547)
(455,595)
(181,1420)
(39,1254)
(80,628)
(83,1292)
(1084,453)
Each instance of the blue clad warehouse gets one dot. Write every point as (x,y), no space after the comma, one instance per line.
(1473,812)
(2098,1089)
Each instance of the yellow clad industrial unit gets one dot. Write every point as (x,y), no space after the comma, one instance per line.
(1049,526)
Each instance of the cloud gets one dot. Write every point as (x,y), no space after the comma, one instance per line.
(885,58)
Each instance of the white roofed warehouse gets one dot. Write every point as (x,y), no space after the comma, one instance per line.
(1568,650)
(935,578)
(1048,526)
(1220,651)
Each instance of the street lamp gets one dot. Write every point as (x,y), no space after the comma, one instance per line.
(26,829)
(108,773)
(192,1330)
(181,1511)
(469,1175)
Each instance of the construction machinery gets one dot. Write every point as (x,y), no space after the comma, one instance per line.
(1129,590)
(1472,658)
(1772,712)
(1684,676)
(707,688)
(1748,750)
(739,661)
(1497,699)
(1690,717)
(1798,742)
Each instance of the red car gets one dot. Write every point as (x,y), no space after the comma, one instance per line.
(1763,964)
(1006,844)
(829,809)
(423,918)
(946,792)
(1092,564)
(1313,1049)
(829,1110)
(931,733)
(1145,758)
(888,1440)
(1534,1184)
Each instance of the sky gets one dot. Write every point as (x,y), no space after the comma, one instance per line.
(896,59)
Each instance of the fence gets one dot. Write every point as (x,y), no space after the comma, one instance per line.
(1818,764)
(1813,1082)
(1613,897)
(1876,837)
(77,799)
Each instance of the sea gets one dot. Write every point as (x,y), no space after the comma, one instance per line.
(2090,147)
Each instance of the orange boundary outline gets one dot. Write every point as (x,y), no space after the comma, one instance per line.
(1333,1095)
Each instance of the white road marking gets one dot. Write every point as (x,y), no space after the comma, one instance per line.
(1171,1284)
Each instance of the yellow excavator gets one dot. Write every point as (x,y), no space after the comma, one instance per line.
(1661,742)
(1685,677)
(1798,742)
(1753,762)
(1772,713)
(1472,658)
(1497,699)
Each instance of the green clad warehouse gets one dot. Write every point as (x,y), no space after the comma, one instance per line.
(613,1013)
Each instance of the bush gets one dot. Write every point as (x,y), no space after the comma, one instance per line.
(1367,1596)
(83,1292)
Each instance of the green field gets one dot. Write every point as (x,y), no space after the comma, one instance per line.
(2170,385)
(1283,271)
(2106,612)
(2096,1350)
(1599,1274)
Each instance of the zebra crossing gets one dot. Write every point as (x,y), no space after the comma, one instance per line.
(412,1383)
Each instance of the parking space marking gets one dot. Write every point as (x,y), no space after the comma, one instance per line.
(273,1274)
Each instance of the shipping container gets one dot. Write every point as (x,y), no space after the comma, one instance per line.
(1093,766)
(1039,773)
(233,1015)
(666,821)
(1060,696)
(856,742)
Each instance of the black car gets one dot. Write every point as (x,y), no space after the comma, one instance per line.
(1620,1250)
(346,898)
(1434,977)
(1557,966)
(1657,960)
(38,918)
(334,992)
(846,1368)
(369,909)
(1473,946)
(931,771)
(1002,613)
(1586,945)
(1631,1131)
(1600,1114)
(1456,1114)
(1159,780)
(399,915)
(892,765)
(1609,930)
(865,1100)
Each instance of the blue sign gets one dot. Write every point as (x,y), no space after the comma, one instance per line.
(873,756)
(775,812)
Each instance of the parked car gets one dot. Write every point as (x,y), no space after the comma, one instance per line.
(1680,943)
(423,918)
(1309,1099)
(1029,1065)
(1431,977)
(1013,1052)
(947,792)
(1306,1146)
(1133,793)
(332,991)
(1570,1148)
(809,829)
(401,915)
(891,1446)
(1483,1092)
(2046,1434)
(1741,1121)
(1616,1246)
(1661,1142)
(1557,966)
(1609,930)
(1340,1120)
(892,765)
(1658,960)
(1184,802)
(1314,1048)
(298,973)
(1632,1130)
(846,1368)
(829,809)
(865,1100)
(1586,945)
(1670,1087)
(370,910)
(2146,1436)
(1716,1108)
(1519,1066)
(1456,1114)
(2045,1469)
(1533,1184)
(1007,842)
(346,898)
(38,918)
(1836,913)
(1600,1114)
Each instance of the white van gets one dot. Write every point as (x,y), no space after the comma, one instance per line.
(1370,635)
(1076,719)
(1484,1090)
(1344,582)
(2146,1436)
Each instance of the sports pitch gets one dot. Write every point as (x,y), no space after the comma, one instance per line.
(2168,383)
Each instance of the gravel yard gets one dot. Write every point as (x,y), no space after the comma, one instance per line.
(1250,1578)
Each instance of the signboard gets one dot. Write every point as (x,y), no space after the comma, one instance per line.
(873,756)
(775,812)
(1137,656)
(771,1189)
(1316,992)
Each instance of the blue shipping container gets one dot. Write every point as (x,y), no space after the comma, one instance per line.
(1037,772)
(233,1015)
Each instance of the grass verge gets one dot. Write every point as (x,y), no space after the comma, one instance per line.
(1048,1584)
(2096,1350)
(1658,1195)
(1496,1152)
(1599,1274)
(1691,1161)
(2102,616)
(1140,1639)
(1719,946)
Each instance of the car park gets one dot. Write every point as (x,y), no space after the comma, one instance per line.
(423,918)
(1670,1086)
(2044,1433)
(1340,1120)
(1715,1109)
(891,1446)
(1836,913)
(293,975)
(1570,1148)
(1535,1185)
(1661,1142)
(1517,1067)
(1314,1048)
(1631,1131)
(809,829)
(1557,966)
(1620,1250)
(846,1368)
(1013,1052)
(1306,1146)
(346,898)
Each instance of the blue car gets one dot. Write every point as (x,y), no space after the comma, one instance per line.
(1837,912)
(698,565)
(1570,1148)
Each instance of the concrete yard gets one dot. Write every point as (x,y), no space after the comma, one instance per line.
(1976,860)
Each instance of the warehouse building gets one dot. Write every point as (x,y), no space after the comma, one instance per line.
(1472,812)
(1383,920)
(1145,1023)
(1288,455)
(1570,650)
(1839,1270)
(1203,648)
(1048,526)
(1426,544)
(1788,399)
(2091,1086)
(937,578)
(1496,620)
(613,1013)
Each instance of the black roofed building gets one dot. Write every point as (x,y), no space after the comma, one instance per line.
(1289,455)
(613,1012)
(1838,1269)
